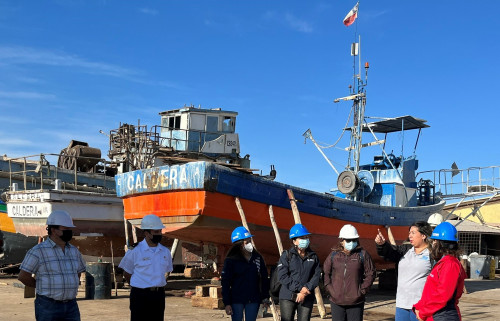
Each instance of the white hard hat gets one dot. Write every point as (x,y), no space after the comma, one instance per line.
(348,232)
(151,222)
(435,219)
(61,218)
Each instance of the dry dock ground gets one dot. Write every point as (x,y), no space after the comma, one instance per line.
(481,303)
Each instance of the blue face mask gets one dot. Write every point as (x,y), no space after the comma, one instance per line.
(349,246)
(303,243)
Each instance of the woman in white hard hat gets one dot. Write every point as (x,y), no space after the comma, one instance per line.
(414,264)
(349,274)
(244,279)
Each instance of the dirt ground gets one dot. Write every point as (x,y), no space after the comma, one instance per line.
(481,303)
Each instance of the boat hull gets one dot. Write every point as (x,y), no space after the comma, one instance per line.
(98,218)
(196,201)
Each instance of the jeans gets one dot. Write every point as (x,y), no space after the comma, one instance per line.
(347,312)
(47,309)
(288,308)
(405,315)
(251,310)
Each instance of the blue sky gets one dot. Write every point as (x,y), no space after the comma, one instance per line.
(71,68)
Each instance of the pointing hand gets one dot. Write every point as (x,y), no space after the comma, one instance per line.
(379,239)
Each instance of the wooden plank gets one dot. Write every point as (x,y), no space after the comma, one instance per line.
(207,302)
(216,292)
(293,204)
(198,273)
(202,290)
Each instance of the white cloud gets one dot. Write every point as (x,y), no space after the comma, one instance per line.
(289,20)
(25,95)
(149,11)
(25,55)
(6,141)
(298,24)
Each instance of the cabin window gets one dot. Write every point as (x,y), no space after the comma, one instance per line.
(212,124)
(228,124)
(172,122)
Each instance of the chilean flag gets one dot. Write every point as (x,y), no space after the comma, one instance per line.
(351,16)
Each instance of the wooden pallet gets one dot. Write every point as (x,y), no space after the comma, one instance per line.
(208,296)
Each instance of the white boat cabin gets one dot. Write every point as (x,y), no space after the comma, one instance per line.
(208,131)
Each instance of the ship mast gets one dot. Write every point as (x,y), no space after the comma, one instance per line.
(358,96)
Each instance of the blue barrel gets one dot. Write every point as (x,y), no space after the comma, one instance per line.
(98,281)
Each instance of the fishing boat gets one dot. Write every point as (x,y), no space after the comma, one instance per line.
(81,184)
(195,180)
(13,245)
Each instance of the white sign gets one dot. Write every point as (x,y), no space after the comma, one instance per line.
(31,197)
(27,210)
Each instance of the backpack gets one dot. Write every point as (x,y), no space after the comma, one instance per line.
(275,285)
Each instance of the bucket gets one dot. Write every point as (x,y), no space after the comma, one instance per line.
(480,266)
(98,281)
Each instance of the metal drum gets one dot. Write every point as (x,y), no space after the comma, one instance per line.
(98,281)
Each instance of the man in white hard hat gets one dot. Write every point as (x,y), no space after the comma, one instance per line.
(435,219)
(144,268)
(57,266)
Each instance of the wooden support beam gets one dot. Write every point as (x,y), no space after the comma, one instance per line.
(134,233)
(113,265)
(295,209)
(390,236)
(275,229)
(274,310)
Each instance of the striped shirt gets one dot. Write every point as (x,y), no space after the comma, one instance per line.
(56,271)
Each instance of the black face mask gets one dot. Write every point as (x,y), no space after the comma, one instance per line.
(156,239)
(67,235)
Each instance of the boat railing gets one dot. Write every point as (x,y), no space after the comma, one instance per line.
(189,140)
(458,183)
(37,170)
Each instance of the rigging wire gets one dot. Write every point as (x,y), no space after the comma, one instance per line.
(341,134)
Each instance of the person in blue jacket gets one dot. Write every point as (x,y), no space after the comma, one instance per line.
(298,272)
(244,279)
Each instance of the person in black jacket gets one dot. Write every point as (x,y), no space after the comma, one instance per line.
(245,282)
(298,272)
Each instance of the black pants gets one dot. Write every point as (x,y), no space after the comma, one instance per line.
(146,304)
(288,308)
(347,312)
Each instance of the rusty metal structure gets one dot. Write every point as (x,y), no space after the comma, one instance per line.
(80,156)
(133,147)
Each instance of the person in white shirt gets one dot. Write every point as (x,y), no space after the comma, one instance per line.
(144,268)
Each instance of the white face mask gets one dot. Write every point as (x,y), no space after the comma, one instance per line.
(349,246)
(249,247)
